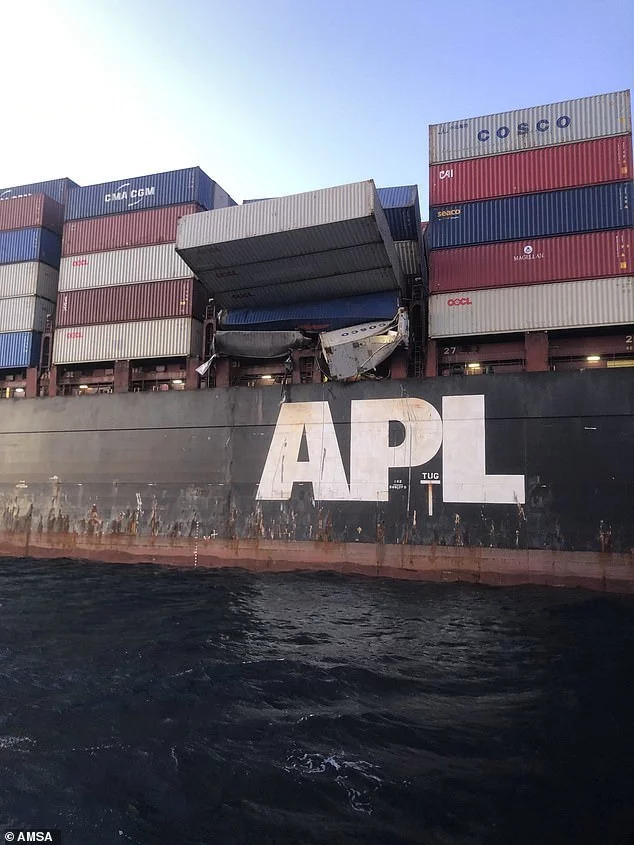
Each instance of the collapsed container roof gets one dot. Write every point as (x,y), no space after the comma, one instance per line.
(322,244)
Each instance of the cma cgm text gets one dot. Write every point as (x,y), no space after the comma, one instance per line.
(543,125)
(135,194)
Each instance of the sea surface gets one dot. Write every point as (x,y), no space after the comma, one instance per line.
(154,705)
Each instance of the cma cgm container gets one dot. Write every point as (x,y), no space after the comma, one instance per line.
(533,215)
(24,313)
(57,189)
(402,211)
(524,129)
(178,187)
(138,228)
(174,338)
(30,245)
(586,256)
(546,169)
(122,267)
(29,278)
(563,305)
(27,212)
(19,349)
(127,303)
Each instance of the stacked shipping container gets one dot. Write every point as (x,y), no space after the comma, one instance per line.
(537,197)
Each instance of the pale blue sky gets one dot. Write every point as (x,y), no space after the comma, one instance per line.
(279,97)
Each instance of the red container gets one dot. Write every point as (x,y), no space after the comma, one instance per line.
(37,210)
(118,231)
(545,169)
(595,255)
(128,303)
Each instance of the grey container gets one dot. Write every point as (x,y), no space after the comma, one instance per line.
(409,256)
(122,267)
(24,313)
(28,278)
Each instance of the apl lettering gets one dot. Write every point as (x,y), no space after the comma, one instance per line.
(461,433)
(543,125)
(133,196)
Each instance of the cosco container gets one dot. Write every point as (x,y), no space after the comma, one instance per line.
(564,305)
(402,211)
(546,169)
(173,338)
(524,129)
(19,349)
(178,187)
(588,256)
(29,278)
(34,211)
(138,228)
(127,303)
(122,267)
(533,215)
(30,245)
(57,189)
(24,313)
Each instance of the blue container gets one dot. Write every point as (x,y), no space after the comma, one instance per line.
(155,191)
(30,245)
(57,189)
(313,316)
(19,349)
(402,211)
(590,209)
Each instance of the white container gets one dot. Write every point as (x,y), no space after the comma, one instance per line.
(24,314)
(29,278)
(409,256)
(122,267)
(170,338)
(525,129)
(562,305)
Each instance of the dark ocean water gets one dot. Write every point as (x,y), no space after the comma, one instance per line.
(148,705)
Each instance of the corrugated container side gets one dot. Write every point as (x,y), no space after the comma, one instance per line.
(531,171)
(19,349)
(29,278)
(176,337)
(409,256)
(34,211)
(119,231)
(129,303)
(402,211)
(30,245)
(122,267)
(24,313)
(563,305)
(57,189)
(157,190)
(523,129)
(593,255)
(533,215)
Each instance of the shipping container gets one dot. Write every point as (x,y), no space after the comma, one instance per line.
(545,169)
(178,187)
(593,255)
(313,316)
(138,228)
(29,278)
(402,211)
(122,267)
(524,129)
(409,256)
(129,303)
(590,209)
(37,210)
(564,305)
(24,313)
(321,244)
(30,245)
(19,350)
(57,189)
(173,338)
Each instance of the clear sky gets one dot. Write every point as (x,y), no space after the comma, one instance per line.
(279,96)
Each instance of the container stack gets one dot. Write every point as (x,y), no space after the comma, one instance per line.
(124,294)
(531,227)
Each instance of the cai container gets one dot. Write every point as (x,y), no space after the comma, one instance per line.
(25,313)
(30,245)
(545,169)
(19,349)
(36,211)
(29,278)
(525,129)
(590,209)
(57,189)
(122,267)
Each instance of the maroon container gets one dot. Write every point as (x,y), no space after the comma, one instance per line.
(545,169)
(118,231)
(38,210)
(128,303)
(595,255)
